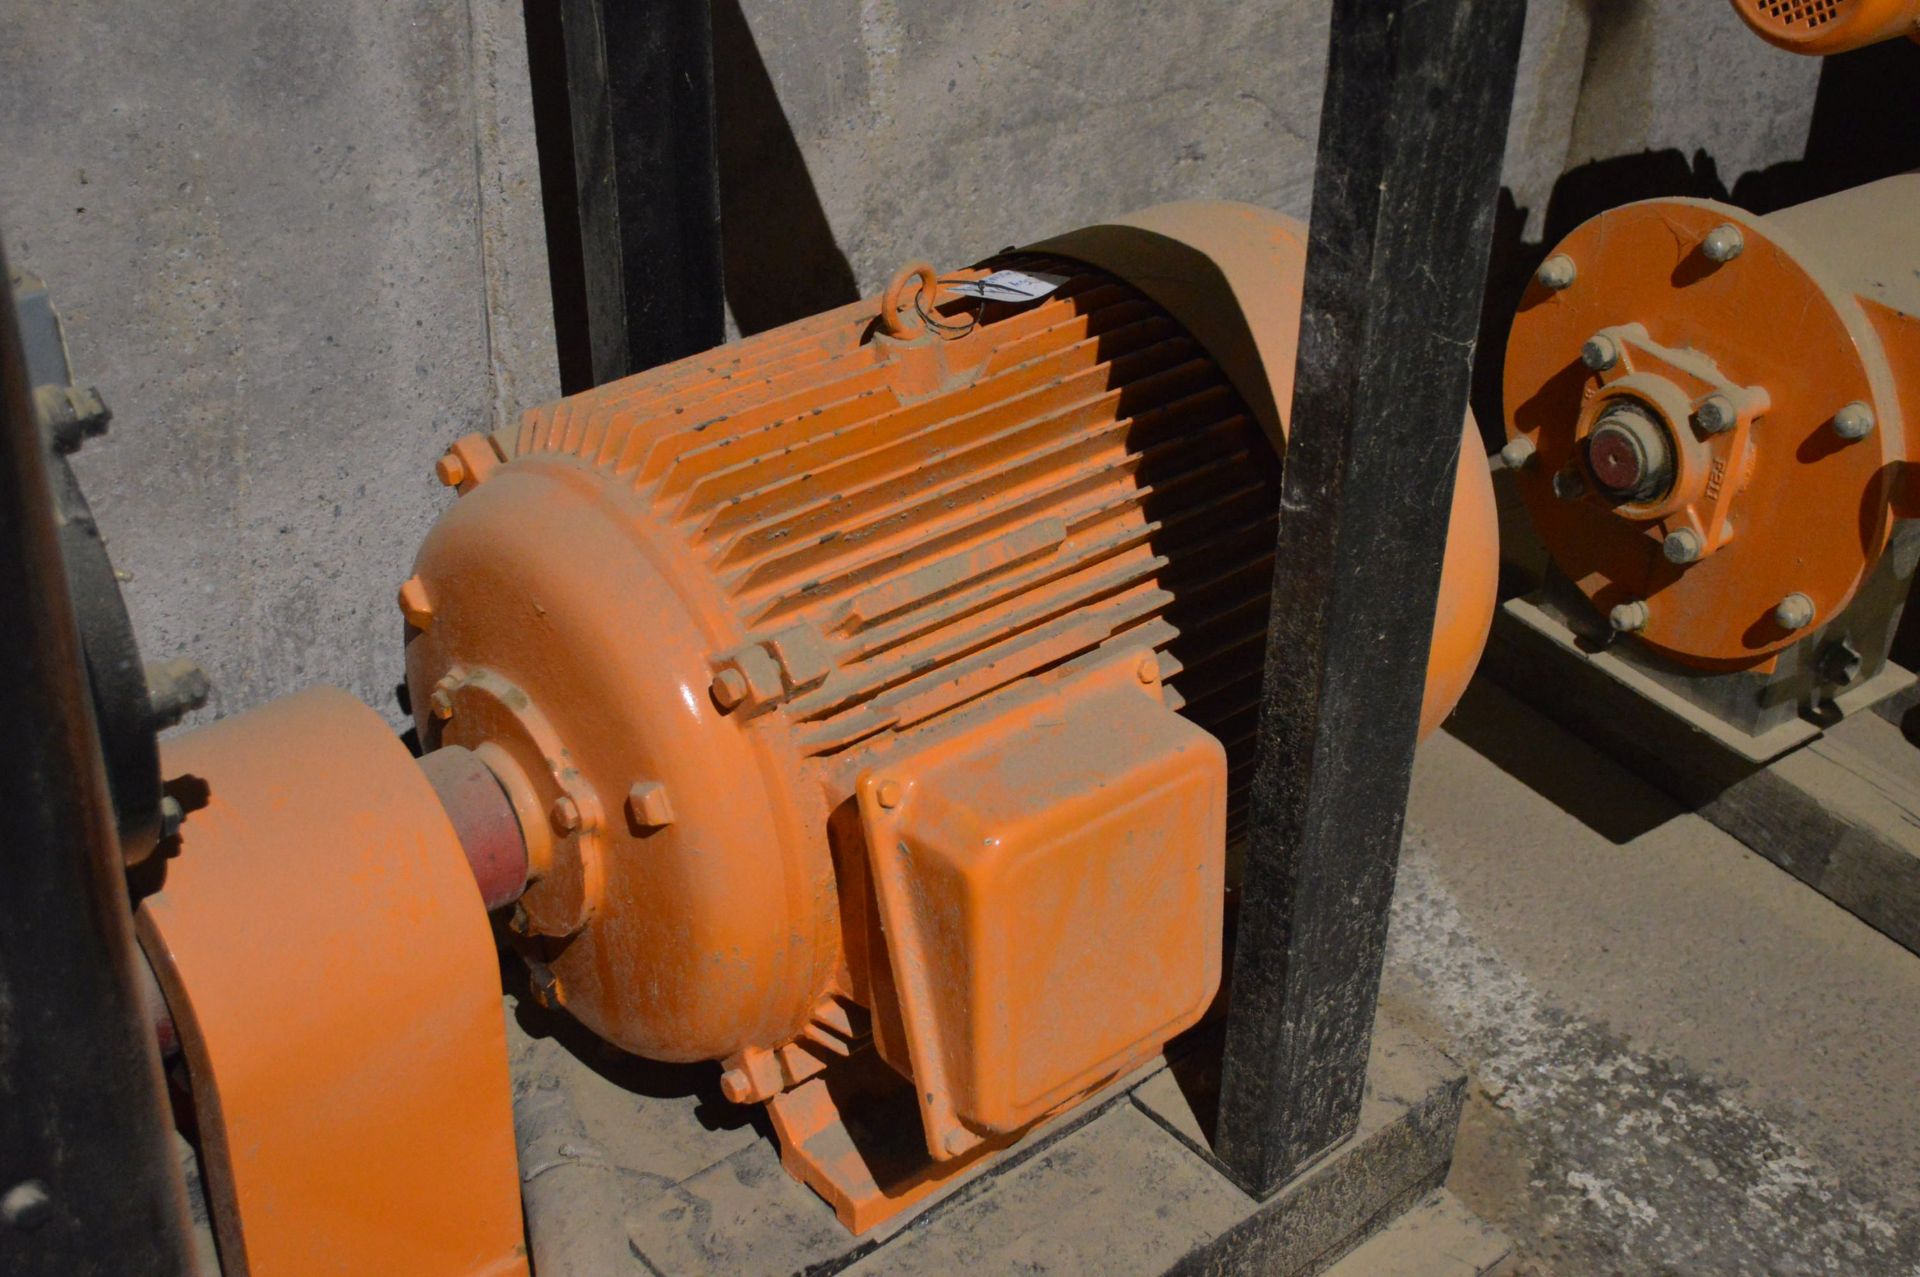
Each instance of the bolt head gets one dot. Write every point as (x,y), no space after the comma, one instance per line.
(956,1142)
(1715,414)
(647,804)
(26,1205)
(1557,272)
(1795,612)
(414,604)
(889,793)
(1568,485)
(1517,453)
(441,703)
(1855,421)
(1600,352)
(450,470)
(736,1086)
(1629,618)
(1148,671)
(1682,545)
(565,814)
(1723,243)
(172,816)
(729,688)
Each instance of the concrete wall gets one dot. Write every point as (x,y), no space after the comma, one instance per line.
(298,245)
(277,231)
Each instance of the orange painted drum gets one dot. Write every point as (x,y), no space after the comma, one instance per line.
(326,959)
(1820,27)
(688,617)
(1718,408)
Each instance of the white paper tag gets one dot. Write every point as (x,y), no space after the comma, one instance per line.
(1010,286)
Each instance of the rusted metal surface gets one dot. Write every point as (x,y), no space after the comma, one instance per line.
(1773,363)
(334,986)
(684,617)
(484,821)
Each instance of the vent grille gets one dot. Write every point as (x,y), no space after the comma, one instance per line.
(1799,16)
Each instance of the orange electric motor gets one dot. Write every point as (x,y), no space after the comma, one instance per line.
(1829,26)
(1710,411)
(888,680)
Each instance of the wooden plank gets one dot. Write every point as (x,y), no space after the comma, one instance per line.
(646,170)
(1413,124)
(1841,813)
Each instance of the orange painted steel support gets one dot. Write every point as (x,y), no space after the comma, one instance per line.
(327,962)
(702,623)
(1829,26)
(1716,408)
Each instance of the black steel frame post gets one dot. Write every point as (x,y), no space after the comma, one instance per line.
(1412,131)
(646,168)
(89,1181)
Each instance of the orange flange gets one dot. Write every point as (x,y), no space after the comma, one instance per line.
(327,962)
(1712,412)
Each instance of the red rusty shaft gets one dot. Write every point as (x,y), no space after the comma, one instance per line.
(484,820)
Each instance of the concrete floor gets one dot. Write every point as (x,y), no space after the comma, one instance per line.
(1684,1060)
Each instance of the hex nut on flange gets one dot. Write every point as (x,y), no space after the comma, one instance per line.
(1723,243)
(1557,272)
(729,688)
(1517,453)
(1715,414)
(1629,618)
(1682,545)
(1795,612)
(1600,352)
(1855,421)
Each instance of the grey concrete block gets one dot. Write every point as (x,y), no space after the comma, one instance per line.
(1438,1238)
(264,226)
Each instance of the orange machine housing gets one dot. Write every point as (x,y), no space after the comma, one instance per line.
(892,677)
(1829,26)
(1774,362)
(326,963)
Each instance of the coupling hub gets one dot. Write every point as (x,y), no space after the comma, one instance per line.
(1630,453)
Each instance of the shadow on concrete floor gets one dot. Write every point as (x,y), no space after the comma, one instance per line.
(1558,766)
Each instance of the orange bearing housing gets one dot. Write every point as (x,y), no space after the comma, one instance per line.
(895,672)
(1778,360)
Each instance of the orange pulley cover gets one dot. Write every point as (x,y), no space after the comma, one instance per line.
(894,674)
